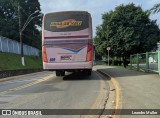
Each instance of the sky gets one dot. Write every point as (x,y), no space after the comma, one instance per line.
(95,7)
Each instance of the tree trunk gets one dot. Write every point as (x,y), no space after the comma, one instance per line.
(124,62)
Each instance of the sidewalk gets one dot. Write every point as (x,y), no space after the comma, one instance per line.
(139,90)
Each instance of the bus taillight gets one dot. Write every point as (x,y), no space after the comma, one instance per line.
(89,53)
(44,54)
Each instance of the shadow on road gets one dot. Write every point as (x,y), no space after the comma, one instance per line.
(80,76)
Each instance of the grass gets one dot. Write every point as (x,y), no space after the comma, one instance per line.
(10,61)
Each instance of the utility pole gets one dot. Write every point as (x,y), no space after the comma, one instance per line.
(20,34)
(22,28)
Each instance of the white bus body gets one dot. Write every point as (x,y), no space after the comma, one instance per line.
(67,42)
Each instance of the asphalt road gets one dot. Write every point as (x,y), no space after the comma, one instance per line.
(43,90)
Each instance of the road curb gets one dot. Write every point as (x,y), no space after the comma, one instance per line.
(118,103)
(10,73)
(16,77)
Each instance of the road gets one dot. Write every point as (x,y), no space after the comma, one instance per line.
(43,90)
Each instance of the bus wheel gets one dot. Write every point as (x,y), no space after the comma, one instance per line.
(62,73)
(89,72)
(58,73)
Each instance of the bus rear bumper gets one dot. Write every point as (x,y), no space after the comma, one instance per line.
(68,66)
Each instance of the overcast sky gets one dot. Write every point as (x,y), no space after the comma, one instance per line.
(95,7)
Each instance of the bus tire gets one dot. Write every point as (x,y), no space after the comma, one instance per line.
(89,72)
(58,73)
(62,73)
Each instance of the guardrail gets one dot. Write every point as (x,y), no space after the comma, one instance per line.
(148,62)
(8,73)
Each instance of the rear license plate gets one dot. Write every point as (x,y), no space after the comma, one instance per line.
(66,57)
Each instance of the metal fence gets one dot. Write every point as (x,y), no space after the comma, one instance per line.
(149,61)
(11,46)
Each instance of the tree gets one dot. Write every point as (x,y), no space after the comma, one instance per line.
(127,30)
(9,20)
(98,43)
(155,9)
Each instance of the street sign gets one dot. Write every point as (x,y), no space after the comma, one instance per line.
(108,48)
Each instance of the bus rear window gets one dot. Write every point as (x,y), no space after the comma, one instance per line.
(61,22)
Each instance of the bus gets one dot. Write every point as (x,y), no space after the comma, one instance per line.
(67,42)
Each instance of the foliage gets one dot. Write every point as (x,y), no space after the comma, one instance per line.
(9,20)
(155,9)
(127,30)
